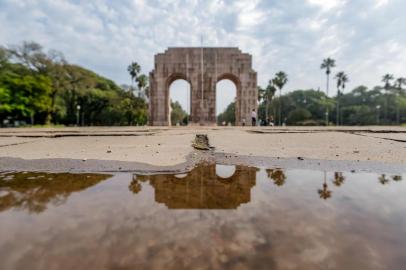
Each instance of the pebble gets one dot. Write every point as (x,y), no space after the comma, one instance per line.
(300,158)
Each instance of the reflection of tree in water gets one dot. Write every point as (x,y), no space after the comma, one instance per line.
(324,193)
(277,175)
(338,179)
(396,178)
(135,186)
(33,191)
(201,188)
(383,179)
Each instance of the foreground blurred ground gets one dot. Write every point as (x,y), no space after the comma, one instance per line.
(169,146)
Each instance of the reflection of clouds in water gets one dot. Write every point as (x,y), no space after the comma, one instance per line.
(225,171)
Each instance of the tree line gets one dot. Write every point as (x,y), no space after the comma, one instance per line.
(383,104)
(38,87)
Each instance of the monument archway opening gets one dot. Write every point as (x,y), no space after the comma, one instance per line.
(202,68)
(226,96)
(179,102)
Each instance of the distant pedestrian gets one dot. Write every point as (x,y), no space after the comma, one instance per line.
(243,122)
(271,121)
(254,117)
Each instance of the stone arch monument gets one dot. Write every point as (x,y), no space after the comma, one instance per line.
(202,67)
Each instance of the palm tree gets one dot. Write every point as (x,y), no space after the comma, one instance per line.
(281,78)
(328,64)
(400,82)
(134,69)
(387,78)
(268,94)
(342,79)
(142,82)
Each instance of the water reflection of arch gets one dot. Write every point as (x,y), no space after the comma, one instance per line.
(203,189)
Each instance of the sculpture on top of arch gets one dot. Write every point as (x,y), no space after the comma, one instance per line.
(202,68)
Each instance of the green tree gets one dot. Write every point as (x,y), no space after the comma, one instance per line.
(134,69)
(399,89)
(39,87)
(142,84)
(400,82)
(178,115)
(327,64)
(298,116)
(342,79)
(4,57)
(51,64)
(386,79)
(228,116)
(25,97)
(281,78)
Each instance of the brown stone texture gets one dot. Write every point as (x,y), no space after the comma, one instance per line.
(218,64)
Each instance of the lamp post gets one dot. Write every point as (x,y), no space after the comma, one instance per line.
(397,109)
(77,114)
(378,107)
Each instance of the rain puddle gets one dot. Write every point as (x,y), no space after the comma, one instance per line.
(214,217)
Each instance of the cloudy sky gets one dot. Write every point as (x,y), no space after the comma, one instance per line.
(366,37)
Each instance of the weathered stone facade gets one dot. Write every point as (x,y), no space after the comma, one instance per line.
(218,64)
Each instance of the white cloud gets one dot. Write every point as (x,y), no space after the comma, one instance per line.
(327,5)
(249,15)
(381,3)
(289,35)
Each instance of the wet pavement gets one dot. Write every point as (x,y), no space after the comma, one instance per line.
(214,217)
